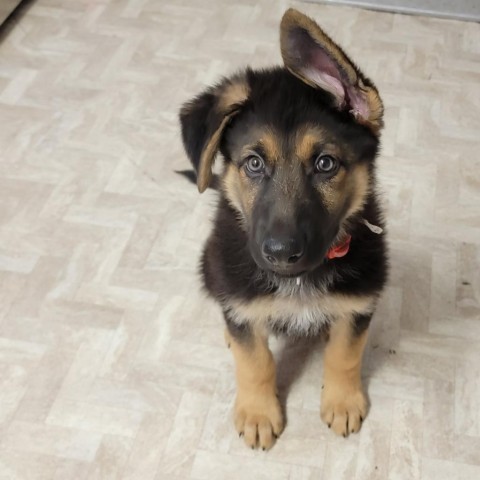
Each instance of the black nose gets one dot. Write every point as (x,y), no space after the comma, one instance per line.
(283,251)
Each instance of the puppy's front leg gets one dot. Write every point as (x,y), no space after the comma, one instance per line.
(344,405)
(258,415)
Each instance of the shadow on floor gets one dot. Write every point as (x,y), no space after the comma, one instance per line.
(292,360)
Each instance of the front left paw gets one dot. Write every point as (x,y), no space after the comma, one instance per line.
(343,407)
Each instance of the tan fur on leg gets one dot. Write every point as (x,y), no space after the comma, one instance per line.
(258,415)
(344,405)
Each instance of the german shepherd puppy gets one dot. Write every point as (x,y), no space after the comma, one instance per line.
(297,244)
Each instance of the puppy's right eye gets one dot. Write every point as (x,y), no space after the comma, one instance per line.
(254,165)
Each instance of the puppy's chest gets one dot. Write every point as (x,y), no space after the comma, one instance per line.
(298,310)
(292,310)
(304,313)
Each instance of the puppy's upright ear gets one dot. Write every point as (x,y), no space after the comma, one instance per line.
(204,119)
(310,54)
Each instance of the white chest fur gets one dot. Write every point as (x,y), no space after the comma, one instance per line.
(298,309)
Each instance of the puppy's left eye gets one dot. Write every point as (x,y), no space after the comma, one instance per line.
(326,164)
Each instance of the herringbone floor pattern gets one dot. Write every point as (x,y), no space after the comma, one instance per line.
(112,363)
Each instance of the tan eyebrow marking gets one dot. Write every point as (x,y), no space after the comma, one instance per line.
(270,143)
(306,140)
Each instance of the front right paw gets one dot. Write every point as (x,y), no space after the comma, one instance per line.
(258,418)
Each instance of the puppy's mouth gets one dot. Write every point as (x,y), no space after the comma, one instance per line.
(337,249)
(309,260)
(298,271)
(293,271)
(289,275)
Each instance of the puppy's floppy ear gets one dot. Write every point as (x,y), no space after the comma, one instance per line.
(310,54)
(204,119)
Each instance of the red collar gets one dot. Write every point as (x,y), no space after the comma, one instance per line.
(339,250)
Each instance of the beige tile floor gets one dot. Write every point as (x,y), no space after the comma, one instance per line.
(112,363)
